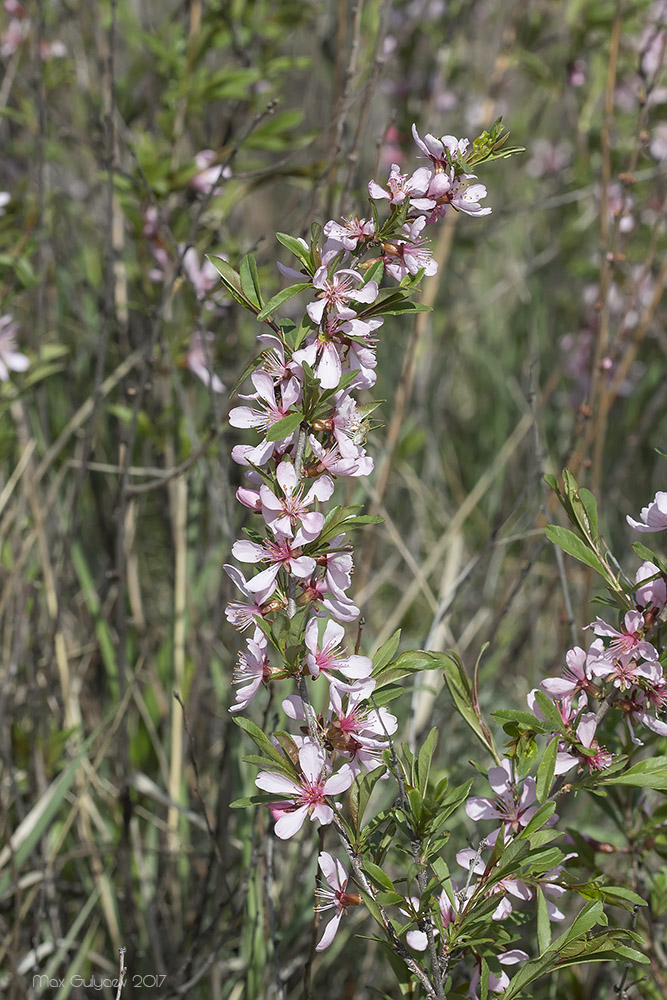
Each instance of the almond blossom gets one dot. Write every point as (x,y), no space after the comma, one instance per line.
(627,643)
(409,256)
(349,233)
(653,517)
(209,172)
(199,363)
(513,805)
(624,673)
(327,655)
(269,410)
(400,186)
(497,984)
(443,152)
(653,593)
(253,670)
(336,895)
(576,675)
(337,292)
(307,797)
(241,614)
(282,514)
(281,553)
(596,760)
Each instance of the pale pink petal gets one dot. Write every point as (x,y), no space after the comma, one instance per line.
(290,823)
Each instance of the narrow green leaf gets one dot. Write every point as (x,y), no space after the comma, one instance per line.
(425,758)
(543,922)
(386,653)
(591,508)
(549,711)
(484,979)
(374,272)
(283,428)
(297,248)
(232,281)
(378,875)
(280,298)
(574,546)
(250,280)
(650,773)
(546,771)
(540,817)
(460,690)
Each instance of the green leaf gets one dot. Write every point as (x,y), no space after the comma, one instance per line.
(297,248)
(523,720)
(460,690)
(591,508)
(278,300)
(543,922)
(231,279)
(591,914)
(574,546)
(546,771)
(379,876)
(386,653)
(425,758)
(261,740)
(645,553)
(549,711)
(650,773)
(375,272)
(250,280)
(360,793)
(540,817)
(283,428)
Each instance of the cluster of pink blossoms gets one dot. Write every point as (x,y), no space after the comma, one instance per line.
(312,432)
(620,664)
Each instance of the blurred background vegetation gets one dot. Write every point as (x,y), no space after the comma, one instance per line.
(545,347)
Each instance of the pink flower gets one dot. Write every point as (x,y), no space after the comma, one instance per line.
(332,460)
(348,425)
(329,590)
(597,760)
(307,798)
(241,614)
(202,276)
(355,728)
(283,553)
(330,656)
(468,859)
(399,187)
(626,644)
(444,152)
(653,593)
(253,670)
(653,517)
(283,513)
(337,292)
(576,676)
(497,983)
(11,360)
(465,196)
(352,231)
(5,199)
(335,896)
(418,939)
(512,805)
(269,411)
(403,257)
